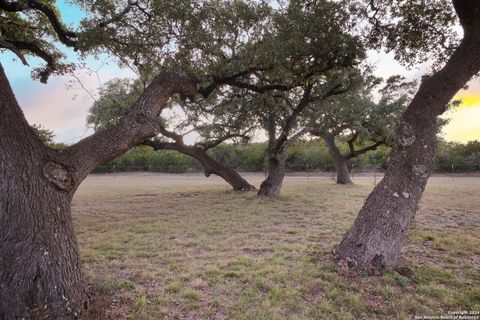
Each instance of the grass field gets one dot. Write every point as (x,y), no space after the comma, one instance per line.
(187,247)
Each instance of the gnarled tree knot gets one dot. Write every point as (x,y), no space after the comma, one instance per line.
(58,174)
(406,134)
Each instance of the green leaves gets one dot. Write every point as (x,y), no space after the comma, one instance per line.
(416,31)
(32,28)
(358,113)
(116,97)
(44,134)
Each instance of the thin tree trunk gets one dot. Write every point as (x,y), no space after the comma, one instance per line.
(341,168)
(339,160)
(381,228)
(40,273)
(276,172)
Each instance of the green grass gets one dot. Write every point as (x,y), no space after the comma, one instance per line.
(163,247)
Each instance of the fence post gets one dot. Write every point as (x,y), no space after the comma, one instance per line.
(308,172)
(453,172)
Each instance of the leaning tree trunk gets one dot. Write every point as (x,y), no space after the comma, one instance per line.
(40,273)
(276,172)
(339,160)
(210,165)
(381,228)
(228,174)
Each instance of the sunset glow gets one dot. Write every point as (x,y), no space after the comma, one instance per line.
(470,100)
(464,122)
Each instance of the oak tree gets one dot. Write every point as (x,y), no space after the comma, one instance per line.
(214,122)
(360,120)
(302,51)
(40,272)
(413,30)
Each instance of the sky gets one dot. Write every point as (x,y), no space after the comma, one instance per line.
(62,104)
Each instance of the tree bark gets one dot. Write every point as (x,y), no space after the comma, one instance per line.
(381,228)
(276,172)
(209,164)
(341,168)
(40,272)
(340,161)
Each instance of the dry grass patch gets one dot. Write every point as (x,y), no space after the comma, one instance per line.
(168,247)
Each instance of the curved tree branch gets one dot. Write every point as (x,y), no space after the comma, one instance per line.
(332,147)
(356,153)
(64,35)
(232,80)
(296,136)
(350,143)
(209,163)
(35,49)
(306,99)
(120,15)
(7,45)
(211,144)
(133,128)
(172,135)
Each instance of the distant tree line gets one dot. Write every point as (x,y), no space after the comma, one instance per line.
(303,155)
(463,157)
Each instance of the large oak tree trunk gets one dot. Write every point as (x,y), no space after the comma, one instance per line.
(40,270)
(276,172)
(381,228)
(40,273)
(340,162)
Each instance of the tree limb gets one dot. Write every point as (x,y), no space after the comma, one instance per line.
(64,35)
(350,143)
(289,122)
(172,135)
(212,144)
(332,147)
(120,15)
(364,150)
(133,128)
(35,49)
(302,104)
(15,50)
(232,81)
(297,135)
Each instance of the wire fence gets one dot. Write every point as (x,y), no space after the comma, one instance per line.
(290,168)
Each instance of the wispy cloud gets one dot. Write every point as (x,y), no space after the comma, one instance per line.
(62,104)
(52,105)
(64,110)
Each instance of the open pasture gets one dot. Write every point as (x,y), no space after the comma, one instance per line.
(175,247)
